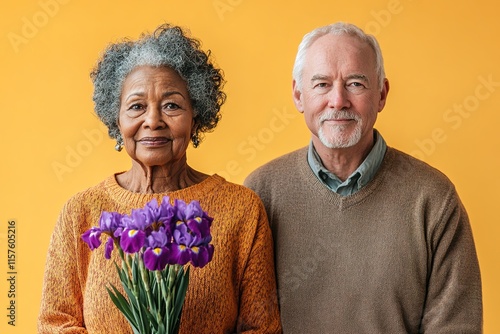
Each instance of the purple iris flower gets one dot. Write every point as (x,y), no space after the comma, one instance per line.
(182,235)
(162,233)
(156,258)
(201,255)
(193,210)
(180,210)
(139,219)
(166,212)
(189,247)
(158,238)
(152,213)
(152,206)
(197,220)
(131,240)
(199,226)
(180,246)
(110,221)
(92,237)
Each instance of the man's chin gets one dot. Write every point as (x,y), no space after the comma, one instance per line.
(336,140)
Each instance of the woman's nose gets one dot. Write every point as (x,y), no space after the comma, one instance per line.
(154,118)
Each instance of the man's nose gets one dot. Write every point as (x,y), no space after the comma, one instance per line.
(338,97)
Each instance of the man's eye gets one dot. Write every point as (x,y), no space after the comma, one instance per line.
(321,85)
(356,84)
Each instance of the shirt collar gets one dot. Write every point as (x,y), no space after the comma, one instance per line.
(359,178)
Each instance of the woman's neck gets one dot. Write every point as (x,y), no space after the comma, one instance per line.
(159,179)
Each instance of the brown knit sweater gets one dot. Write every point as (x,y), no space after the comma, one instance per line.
(235,292)
(395,257)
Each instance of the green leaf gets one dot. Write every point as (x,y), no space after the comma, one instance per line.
(179,298)
(160,311)
(151,318)
(123,305)
(136,310)
(123,274)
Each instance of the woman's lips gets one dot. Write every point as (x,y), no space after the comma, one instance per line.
(153,141)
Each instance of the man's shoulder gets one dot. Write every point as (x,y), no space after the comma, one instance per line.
(284,162)
(405,166)
(279,166)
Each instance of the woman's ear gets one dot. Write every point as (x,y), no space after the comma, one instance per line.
(194,134)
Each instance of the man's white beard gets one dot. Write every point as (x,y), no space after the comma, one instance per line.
(339,136)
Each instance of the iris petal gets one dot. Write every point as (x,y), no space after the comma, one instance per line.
(156,258)
(179,254)
(108,248)
(92,237)
(132,240)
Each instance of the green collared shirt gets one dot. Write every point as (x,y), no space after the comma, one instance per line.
(359,178)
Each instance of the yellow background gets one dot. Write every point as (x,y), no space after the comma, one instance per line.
(442,60)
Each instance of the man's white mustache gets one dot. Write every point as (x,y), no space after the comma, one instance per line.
(339,114)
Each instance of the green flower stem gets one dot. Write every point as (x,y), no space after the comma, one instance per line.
(120,251)
(171,286)
(125,267)
(160,284)
(133,274)
(135,262)
(145,280)
(167,293)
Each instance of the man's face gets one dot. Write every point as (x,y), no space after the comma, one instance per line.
(340,94)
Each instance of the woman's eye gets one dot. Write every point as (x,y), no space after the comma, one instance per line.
(171,106)
(136,106)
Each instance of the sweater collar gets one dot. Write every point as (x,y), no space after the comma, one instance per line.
(132,199)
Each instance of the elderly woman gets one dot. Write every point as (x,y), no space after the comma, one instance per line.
(156,95)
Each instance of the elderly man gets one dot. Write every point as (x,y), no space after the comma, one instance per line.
(368,239)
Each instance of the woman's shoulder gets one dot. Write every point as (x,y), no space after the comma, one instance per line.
(232,193)
(89,196)
(233,189)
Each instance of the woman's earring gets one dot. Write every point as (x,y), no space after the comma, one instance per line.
(195,140)
(119,144)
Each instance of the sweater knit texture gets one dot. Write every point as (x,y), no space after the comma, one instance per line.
(397,256)
(235,292)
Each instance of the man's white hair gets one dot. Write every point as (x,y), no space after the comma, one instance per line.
(339,28)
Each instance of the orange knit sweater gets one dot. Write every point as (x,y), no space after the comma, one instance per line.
(235,292)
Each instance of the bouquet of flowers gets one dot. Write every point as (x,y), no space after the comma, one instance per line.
(154,243)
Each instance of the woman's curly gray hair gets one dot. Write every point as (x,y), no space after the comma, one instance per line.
(167,46)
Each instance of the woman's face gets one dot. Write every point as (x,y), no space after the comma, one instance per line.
(156,116)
